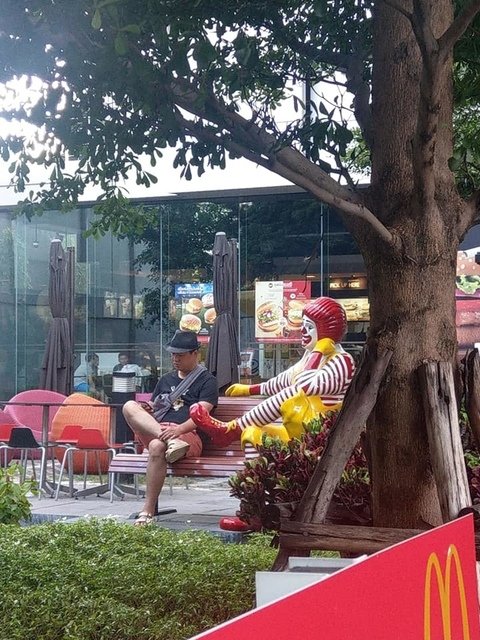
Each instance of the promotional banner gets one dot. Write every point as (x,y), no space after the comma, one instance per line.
(424,588)
(467,293)
(278,309)
(194,308)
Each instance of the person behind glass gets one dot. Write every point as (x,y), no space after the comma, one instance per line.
(125,366)
(174,435)
(87,373)
(87,378)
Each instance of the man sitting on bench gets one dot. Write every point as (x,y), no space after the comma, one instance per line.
(163,424)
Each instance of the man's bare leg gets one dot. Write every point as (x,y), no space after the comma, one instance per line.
(156,473)
(144,425)
(141,422)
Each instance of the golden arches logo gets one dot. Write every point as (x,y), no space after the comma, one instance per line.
(443,580)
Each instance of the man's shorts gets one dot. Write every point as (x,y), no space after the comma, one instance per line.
(195,443)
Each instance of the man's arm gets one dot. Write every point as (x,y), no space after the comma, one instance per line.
(172,430)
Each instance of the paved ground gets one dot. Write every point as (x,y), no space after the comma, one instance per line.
(200,506)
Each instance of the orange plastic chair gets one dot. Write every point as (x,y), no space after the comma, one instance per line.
(88,441)
(92,415)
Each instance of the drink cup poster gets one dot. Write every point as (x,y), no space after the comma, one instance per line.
(194,308)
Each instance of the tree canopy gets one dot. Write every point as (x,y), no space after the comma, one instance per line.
(122,78)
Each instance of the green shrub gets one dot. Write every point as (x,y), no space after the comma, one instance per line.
(14,504)
(282,472)
(100,580)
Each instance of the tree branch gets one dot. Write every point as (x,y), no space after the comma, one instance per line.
(353,66)
(429,106)
(360,88)
(421,24)
(471,213)
(254,137)
(293,166)
(393,4)
(458,27)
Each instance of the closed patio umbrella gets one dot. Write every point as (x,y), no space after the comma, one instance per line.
(57,360)
(223,356)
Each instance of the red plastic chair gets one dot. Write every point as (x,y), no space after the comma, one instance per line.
(5,433)
(69,435)
(88,440)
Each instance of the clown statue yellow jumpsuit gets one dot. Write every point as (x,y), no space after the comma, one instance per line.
(315,384)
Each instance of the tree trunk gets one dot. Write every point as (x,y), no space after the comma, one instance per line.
(443,430)
(417,321)
(472,392)
(411,290)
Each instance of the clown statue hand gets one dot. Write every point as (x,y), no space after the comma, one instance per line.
(236,390)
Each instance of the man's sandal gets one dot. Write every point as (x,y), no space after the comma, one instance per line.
(143,519)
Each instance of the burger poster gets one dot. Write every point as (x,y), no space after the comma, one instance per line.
(194,309)
(278,309)
(357,309)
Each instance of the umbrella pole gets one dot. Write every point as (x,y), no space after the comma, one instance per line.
(71,313)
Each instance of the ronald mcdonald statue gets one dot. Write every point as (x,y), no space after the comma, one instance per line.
(314,385)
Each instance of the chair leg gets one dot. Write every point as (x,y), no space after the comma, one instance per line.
(85,468)
(60,473)
(136,484)
(23,463)
(111,480)
(99,468)
(34,473)
(70,474)
(53,460)
(42,470)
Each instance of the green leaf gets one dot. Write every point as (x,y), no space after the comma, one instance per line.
(97,20)
(120,43)
(131,28)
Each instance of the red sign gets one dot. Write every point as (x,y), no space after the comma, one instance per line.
(424,588)
(278,309)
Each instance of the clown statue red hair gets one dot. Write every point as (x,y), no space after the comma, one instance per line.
(315,384)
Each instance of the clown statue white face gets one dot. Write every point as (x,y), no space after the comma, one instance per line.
(309,333)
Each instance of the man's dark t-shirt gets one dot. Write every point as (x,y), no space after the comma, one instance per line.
(203,388)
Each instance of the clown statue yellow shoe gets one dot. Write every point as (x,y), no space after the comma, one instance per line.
(253,435)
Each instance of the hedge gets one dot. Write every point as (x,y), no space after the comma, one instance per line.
(100,580)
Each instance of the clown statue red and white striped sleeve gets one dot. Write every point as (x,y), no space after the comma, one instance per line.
(324,371)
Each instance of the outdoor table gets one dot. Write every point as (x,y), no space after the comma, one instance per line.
(43,484)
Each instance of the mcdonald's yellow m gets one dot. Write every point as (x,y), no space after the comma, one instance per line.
(443,581)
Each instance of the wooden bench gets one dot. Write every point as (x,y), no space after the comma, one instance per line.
(215,462)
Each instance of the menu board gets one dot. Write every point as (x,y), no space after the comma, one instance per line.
(194,308)
(357,309)
(278,309)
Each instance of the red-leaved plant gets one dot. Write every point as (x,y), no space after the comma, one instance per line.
(281,473)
